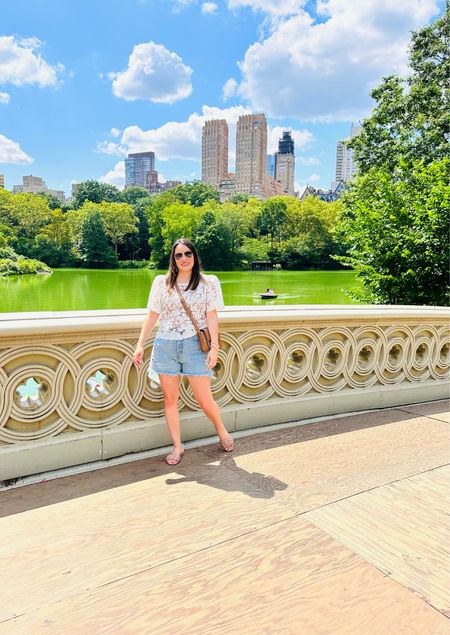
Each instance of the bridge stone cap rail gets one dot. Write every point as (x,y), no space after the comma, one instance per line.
(48,322)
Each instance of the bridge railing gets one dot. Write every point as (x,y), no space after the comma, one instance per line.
(70,394)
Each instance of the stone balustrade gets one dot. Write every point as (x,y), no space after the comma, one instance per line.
(70,394)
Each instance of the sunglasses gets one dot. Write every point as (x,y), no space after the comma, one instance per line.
(181,254)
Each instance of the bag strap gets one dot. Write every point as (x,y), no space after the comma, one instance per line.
(187,309)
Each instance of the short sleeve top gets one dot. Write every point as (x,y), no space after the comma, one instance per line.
(174,322)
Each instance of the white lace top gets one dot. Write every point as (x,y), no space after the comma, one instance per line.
(174,322)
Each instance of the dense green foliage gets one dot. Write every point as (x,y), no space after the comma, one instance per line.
(94,247)
(195,193)
(397,226)
(396,215)
(12,264)
(133,226)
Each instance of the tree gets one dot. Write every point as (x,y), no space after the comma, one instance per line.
(214,243)
(132,195)
(254,249)
(310,247)
(411,119)
(153,209)
(53,244)
(96,192)
(119,221)
(238,198)
(252,211)
(143,247)
(396,226)
(94,246)
(53,201)
(26,215)
(233,217)
(75,219)
(272,217)
(179,221)
(395,220)
(195,193)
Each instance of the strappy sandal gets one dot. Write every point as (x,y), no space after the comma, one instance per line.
(227,446)
(174,458)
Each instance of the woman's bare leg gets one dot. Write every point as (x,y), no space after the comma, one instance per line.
(201,387)
(170,385)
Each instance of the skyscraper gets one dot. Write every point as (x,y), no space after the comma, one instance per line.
(345,165)
(214,151)
(2,181)
(137,167)
(270,165)
(251,153)
(285,163)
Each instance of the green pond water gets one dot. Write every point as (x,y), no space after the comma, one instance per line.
(87,289)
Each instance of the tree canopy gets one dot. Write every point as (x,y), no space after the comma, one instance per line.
(396,213)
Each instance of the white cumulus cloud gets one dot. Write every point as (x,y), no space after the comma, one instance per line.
(116,176)
(209,7)
(4,98)
(324,70)
(11,152)
(109,147)
(153,73)
(20,63)
(114,132)
(229,89)
(273,7)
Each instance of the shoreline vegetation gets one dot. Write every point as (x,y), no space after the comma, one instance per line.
(104,228)
(12,264)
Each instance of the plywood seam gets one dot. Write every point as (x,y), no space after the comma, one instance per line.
(371,489)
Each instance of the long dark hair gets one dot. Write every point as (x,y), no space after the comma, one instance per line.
(172,274)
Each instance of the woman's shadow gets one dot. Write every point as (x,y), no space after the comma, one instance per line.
(236,479)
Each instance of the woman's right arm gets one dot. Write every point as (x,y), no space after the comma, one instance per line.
(149,323)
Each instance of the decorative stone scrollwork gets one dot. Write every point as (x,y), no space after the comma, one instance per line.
(62,385)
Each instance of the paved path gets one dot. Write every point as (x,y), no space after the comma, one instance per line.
(332,527)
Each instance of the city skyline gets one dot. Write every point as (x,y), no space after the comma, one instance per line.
(134,82)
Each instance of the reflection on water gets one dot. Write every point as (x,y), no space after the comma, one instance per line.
(82,289)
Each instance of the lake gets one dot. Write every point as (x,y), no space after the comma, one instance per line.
(90,289)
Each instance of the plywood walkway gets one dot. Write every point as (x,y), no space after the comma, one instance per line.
(333,527)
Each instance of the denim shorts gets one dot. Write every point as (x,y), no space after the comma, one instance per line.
(179,357)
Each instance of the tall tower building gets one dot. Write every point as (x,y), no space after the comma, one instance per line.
(345,165)
(214,151)
(2,181)
(270,165)
(137,167)
(251,153)
(285,163)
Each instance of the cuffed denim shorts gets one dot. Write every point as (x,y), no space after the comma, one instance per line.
(179,357)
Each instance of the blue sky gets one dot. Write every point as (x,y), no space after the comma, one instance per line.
(84,83)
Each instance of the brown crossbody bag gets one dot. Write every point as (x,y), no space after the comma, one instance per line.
(204,336)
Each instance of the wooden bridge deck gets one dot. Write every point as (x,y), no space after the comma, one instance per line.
(333,527)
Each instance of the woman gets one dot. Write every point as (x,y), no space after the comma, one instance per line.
(176,350)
